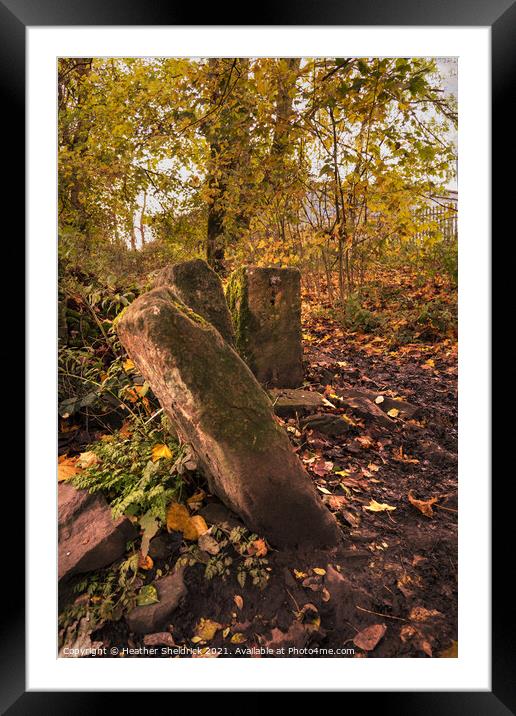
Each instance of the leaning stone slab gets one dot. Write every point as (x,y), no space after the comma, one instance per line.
(89,538)
(220,409)
(152,617)
(196,285)
(265,304)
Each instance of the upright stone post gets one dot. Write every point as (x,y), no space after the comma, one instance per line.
(265,305)
(196,285)
(217,406)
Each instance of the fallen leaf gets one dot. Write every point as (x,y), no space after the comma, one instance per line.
(238,601)
(238,638)
(205,630)
(319,570)
(401,457)
(145,562)
(324,490)
(364,440)
(299,575)
(147,595)
(368,638)
(66,468)
(159,451)
(149,525)
(420,614)
(195,528)
(375,506)
(335,502)
(177,517)
(87,459)
(402,585)
(407,632)
(424,506)
(393,412)
(208,543)
(196,498)
(379,400)
(452,652)
(126,430)
(258,548)
(128,365)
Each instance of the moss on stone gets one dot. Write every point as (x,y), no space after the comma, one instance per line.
(243,320)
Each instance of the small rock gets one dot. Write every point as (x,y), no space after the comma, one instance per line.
(160,638)
(151,617)
(164,545)
(89,538)
(289,402)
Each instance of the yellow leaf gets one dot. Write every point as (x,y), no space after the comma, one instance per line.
(177,517)
(393,412)
(319,570)
(299,575)
(375,506)
(379,399)
(195,527)
(128,365)
(197,497)
(159,451)
(206,630)
(66,468)
(237,638)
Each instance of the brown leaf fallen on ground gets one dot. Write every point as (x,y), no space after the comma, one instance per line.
(420,614)
(368,638)
(424,506)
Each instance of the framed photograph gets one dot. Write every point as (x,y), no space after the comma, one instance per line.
(258,291)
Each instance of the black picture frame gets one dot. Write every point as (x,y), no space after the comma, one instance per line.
(500,16)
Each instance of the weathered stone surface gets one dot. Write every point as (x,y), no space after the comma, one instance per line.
(196,285)
(406,410)
(221,410)
(89,538)
(265,304)
(288,402)
(153,617)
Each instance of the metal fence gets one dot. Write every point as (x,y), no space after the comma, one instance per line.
(438,219)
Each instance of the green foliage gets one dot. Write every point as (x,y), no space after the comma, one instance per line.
(233,555)
(354,316)
(126,474)
(100,596)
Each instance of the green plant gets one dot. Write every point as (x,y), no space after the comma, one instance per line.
(134,483)
(254,567)
(354,316)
